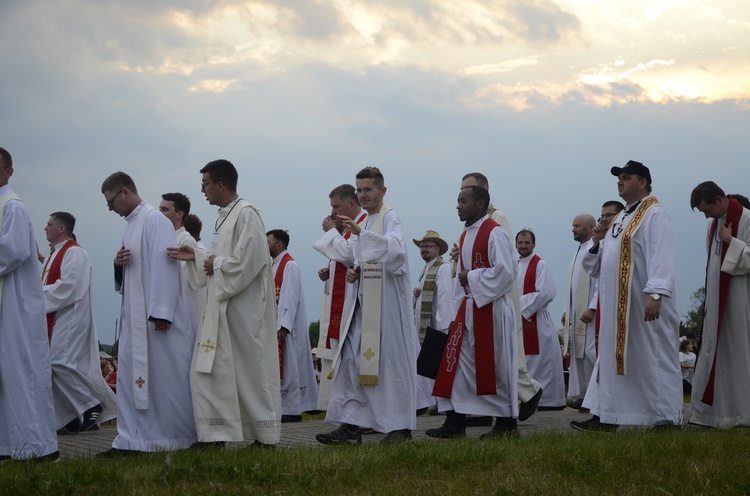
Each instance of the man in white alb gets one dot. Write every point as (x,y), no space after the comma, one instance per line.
(637,378)
(433,305)
(529,390)
(82,398)
(299,389)
(722,373)
(176,208)
(478,373)
(235,370)
(541,344)
(27,417)
(581,317)
(157,329)
(375,369)
(338,296)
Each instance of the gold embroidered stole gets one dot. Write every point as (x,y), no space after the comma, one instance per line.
(624,276)
(9,196)
(428,295)
(372,293)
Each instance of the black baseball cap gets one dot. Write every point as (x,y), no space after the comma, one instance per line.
(633,167)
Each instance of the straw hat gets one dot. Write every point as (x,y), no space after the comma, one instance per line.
(433,236)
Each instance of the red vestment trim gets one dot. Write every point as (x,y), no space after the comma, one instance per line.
(734,214)
(278,279)
(338,294)
(530,330)
(52,277)
(484,339)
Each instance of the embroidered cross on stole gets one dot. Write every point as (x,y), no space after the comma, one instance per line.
(372,294)
(483,327)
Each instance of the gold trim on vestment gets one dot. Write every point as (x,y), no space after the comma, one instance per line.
(625,271)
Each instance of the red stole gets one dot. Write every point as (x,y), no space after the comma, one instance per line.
(52,277)
(530,331)
(484,341)
(734,214)
(338,293)
(278,279)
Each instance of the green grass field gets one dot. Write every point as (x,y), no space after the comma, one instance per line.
(687,462)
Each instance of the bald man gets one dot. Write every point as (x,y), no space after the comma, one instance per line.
(579,319)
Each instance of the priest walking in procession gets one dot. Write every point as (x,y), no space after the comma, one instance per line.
(433,302)
(338,295)
(176,208)
(299,388)
(579,318)
(375,368)
(637,379)
(722,374)
(81,396)
(235,370)
(27,417)
(541,344)
(479,370)
(157,329)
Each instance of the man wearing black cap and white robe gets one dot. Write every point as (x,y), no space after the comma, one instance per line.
(638,379)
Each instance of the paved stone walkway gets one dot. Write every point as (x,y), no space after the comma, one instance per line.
(303,433)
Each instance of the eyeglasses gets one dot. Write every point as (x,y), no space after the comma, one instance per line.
(204,184)
(111,202)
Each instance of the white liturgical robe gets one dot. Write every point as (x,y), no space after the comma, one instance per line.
(235,371)
(441,317)
(336,247)
(27,418)
(390,405)
(77,382)
(582,337)
(545,367)
(299,388)
(197,293)
(731,402)
(650,391)
(153,381)
(490,285)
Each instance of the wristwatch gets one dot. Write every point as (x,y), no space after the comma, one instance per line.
(655,296)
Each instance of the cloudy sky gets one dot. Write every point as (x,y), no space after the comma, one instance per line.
(542,96)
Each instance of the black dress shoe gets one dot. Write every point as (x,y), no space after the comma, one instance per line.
(208,445)
(118,453)
(397,437)
(575,403)
(593,425)
(526,410)
(447,431)
(340,435)
(291,418)
(505,427)
(550,408)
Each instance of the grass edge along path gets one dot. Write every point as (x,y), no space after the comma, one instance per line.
(673,462)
